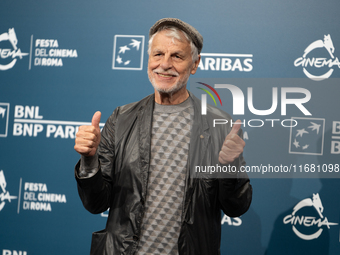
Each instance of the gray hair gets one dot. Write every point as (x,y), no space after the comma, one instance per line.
(174,33)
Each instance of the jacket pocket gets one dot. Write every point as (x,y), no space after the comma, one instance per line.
(98,242)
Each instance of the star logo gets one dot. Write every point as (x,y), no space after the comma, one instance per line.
(4,114)
(135,43)
(119,60)
(123,49)
(307,136)
(296,144)
(315,126)
(128,52)
(300,132)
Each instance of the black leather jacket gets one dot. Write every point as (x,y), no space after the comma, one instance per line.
(121,183)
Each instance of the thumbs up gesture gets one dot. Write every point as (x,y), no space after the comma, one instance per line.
(232,146)
(88,137)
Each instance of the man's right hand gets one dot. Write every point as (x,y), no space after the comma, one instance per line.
(88,137)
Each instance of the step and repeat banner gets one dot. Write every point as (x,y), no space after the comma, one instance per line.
(272,64)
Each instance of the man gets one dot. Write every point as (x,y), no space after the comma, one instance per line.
(141,165)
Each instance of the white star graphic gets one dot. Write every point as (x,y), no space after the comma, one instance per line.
(315,126)
(123,49)
(2,112)
(135,43)
(119,60)
(300,132)
(305,147)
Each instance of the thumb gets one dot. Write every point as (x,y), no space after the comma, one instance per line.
(236,127)
(96,119)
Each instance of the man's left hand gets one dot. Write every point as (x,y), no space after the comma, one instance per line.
(233,145)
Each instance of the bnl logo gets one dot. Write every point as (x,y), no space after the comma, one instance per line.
(4,113)
(128,52)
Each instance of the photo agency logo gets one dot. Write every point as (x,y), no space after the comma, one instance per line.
(272,103)
(308,224)
(291,97)
(128,52)
(318,61)
(9,51)
(204,97)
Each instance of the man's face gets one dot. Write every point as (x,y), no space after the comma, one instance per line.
(170,63)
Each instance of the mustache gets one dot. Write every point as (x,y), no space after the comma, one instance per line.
(168,72)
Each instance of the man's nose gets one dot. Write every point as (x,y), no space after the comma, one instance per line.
(166,62)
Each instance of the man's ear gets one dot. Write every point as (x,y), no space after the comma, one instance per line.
(195,65)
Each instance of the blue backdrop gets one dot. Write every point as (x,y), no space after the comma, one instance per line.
(60,61)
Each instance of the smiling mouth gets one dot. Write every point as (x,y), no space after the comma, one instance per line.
(166,75)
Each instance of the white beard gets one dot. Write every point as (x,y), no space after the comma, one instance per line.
(171,90)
